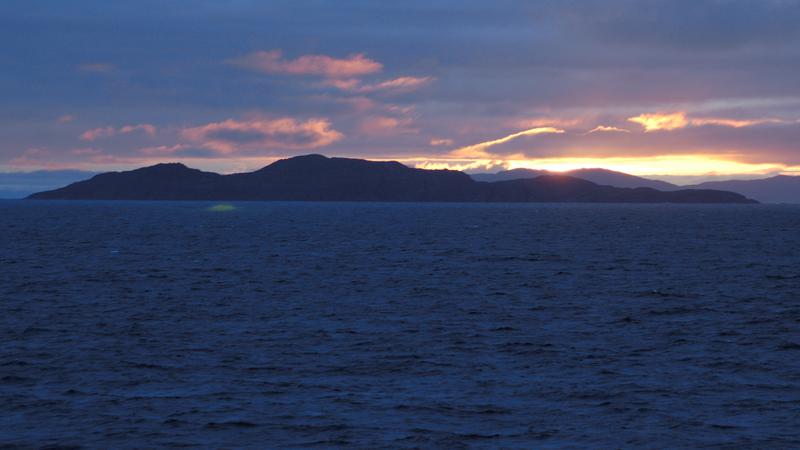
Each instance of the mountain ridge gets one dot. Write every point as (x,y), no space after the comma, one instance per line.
(595,175)
(320,178)
(775,189)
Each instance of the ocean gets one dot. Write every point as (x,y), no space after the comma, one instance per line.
(373,325)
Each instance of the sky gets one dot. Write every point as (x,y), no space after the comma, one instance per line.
(673,88)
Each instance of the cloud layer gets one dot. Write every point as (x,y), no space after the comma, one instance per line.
(320,65)
(262,135)
(235,84)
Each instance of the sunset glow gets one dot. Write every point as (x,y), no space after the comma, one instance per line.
(679,165)
(658,122)
(480,149)
(283,82)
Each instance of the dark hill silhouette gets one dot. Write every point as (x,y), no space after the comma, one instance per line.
(172,181)
(607,177)
(507,175)
(318,178)
(777,189)
(563,188)
(603,177)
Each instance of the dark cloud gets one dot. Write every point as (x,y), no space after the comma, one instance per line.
(691,25)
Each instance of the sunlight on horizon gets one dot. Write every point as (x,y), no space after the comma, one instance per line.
(666,165)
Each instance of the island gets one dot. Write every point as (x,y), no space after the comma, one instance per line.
(320,178)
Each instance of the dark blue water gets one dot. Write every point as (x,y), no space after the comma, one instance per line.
(399,325)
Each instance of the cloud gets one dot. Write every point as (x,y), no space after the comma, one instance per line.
(145,127)
(441,142)
(97,68)
(67,118)
(396,85)
(107,132)
(384,126)
(320,65)
(607,129)
(694,25)
(733,123)
(660,121)
(461,165)
(98,133)
(699,165)
(539,122)
(257,133)
(718,61)
(479,150)
(83,151)
(674,121)
(341,73)
(358,104)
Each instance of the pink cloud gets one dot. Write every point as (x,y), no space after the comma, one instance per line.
(384,125)
(359,104)
(348,84)
(441,142)
(148,129)
(85,151)
(106,132)
(67,118)
(320,65)
(263,134)
(397,85)
(98,133)
(537,122)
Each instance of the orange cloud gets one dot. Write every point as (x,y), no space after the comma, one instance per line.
(660,165)
(660,121)
(734,123)
(674,121)
(320,65)
(262,134)
(479,150)
(605,129)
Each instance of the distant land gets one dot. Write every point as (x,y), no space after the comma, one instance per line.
(776,189)
(319,178)
(23,184)
(602,177)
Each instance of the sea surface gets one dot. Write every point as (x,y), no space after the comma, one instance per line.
(368,325)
